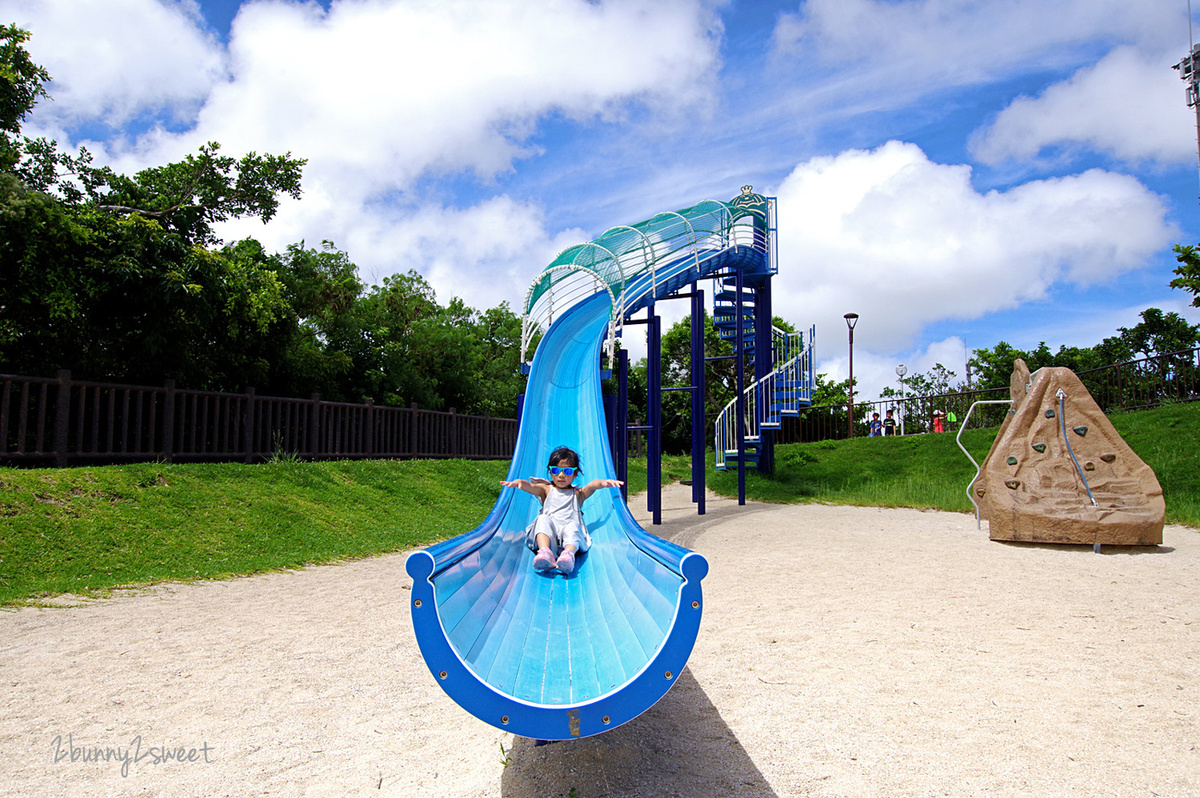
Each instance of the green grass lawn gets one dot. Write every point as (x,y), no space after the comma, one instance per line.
(930,471)
(90,529)
(86,531)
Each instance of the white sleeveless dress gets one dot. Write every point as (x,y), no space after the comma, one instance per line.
(561,520)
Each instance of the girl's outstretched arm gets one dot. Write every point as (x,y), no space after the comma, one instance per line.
(536,488)
(596,484)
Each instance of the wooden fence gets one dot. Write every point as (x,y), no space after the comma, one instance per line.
(62,422)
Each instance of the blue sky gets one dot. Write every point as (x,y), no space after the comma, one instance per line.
(958,172)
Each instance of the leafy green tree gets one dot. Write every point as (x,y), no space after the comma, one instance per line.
(830,393)
(498,335)
(938,380)
(720,382)
(22,84)
(187,197)
(1158,333)
(993,367)
(1188,271)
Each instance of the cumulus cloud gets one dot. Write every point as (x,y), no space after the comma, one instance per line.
(378,94)
(874,371)
(903,241)
(386,97)
(1129,105)
(919,46)
(484,254)
(114,60)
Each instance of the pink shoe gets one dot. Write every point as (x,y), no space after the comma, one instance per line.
(544,560)
(566,561)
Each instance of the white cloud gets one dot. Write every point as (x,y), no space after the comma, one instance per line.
(862,56)
(905,242)
(384,97)
(378,94)
(112,60)
(874,371)
(1129,104)
(965,41)
(484,254)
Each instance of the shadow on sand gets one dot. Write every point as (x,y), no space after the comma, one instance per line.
(679,747)
(1087,548)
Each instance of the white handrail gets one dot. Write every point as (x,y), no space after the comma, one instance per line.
(978,467)
(795,370)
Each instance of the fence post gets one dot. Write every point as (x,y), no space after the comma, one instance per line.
(62,415)
(369,429)
(168,431)
(248,428)
(412,439)
(314,426)
(453,433)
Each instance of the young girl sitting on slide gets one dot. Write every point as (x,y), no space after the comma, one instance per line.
(559,526)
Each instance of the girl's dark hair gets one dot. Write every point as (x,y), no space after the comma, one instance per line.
(563,453)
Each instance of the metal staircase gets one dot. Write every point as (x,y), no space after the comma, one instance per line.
(785,391)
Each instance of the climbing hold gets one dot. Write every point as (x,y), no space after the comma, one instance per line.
(1050,413)
(980,492)
(1039,447)
(1081,430)
(1012,460)
(1089,466)
(1108,457)
(1012,484)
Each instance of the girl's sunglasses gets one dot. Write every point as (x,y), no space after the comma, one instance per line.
(565,470)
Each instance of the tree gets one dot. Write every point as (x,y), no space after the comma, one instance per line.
(187,197)
(720,383)
(1159,333)
(22,84)
(993,367)
(938,380)
(1188,271)
(498,335)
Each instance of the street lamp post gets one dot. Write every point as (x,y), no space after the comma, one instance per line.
(901,370)
(1189,72)
(851,320)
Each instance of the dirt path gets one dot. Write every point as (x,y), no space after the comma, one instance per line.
(844,652)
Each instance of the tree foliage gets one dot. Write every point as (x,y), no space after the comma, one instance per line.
(22,84)
(1188,271)
(123,278)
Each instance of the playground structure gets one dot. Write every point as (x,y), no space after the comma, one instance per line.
(552,657)
(1058,472)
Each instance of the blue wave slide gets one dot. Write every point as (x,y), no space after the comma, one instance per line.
(540,654)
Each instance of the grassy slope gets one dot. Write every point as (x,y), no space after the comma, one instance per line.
(88,530)
(930,471)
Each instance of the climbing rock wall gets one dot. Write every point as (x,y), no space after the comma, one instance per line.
(1030,488)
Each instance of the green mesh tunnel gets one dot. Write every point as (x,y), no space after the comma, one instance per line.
(632,263)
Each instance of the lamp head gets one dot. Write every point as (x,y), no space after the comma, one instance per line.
(851,320)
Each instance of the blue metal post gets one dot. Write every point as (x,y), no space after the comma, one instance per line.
(698,425)
(654,420)
(764,364)
(740,361)
(622,462)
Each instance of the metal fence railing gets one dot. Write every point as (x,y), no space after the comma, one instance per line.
(61,422)
(1134,384)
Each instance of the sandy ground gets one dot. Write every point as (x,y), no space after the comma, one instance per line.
(844,652)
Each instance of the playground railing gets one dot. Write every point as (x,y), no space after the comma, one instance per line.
(63,422)
(632,262)
(778,395)
(1130,385)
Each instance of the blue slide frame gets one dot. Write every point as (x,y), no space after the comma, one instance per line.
(540,654)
